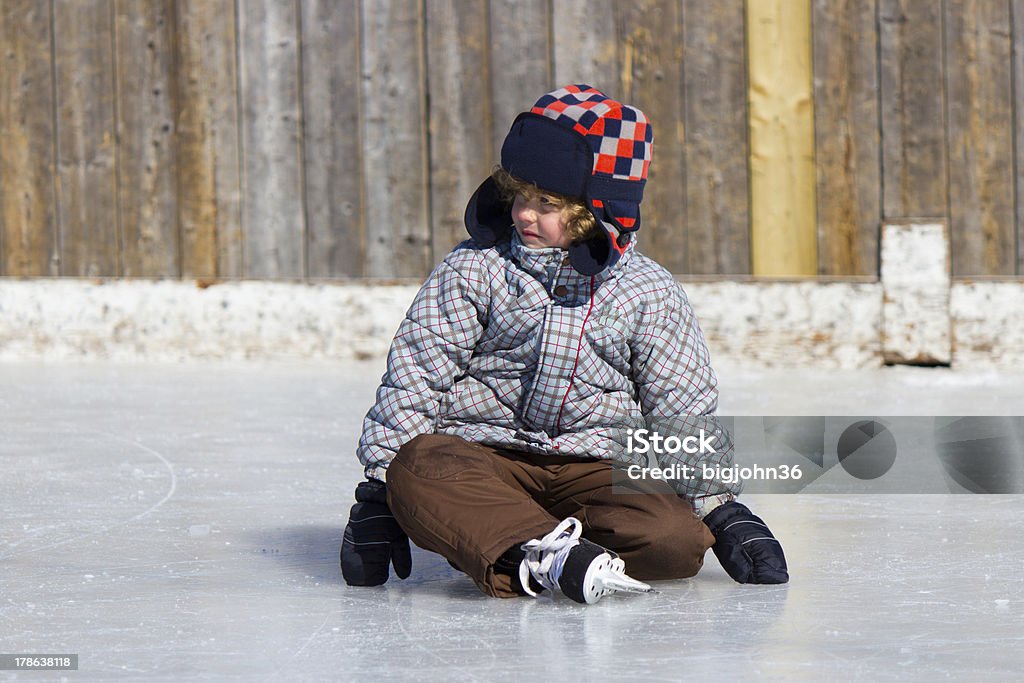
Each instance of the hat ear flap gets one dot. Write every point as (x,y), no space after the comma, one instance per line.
(488,219)
(624,216)
(594,255)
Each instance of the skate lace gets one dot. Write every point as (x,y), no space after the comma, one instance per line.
(545,557)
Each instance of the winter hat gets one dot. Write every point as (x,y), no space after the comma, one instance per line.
(575,141)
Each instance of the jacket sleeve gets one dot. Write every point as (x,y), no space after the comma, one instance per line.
(678,394)
(430,351)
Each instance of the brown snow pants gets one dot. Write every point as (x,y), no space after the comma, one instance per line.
(470,503)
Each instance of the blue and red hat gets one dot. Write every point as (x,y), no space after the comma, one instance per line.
(578,142)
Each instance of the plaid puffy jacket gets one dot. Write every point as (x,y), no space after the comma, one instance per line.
(510,346)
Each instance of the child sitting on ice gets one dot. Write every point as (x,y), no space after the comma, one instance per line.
(527,359)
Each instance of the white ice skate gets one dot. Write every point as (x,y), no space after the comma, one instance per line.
(584,571)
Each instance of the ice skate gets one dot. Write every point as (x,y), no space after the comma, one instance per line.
(582,570)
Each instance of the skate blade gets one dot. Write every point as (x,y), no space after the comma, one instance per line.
(625,585)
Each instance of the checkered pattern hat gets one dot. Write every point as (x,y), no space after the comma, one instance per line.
(578,142)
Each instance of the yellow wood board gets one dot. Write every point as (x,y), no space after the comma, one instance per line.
(783,232)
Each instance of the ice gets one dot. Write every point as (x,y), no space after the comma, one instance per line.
(172,522)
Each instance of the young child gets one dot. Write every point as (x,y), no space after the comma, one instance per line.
(527,361)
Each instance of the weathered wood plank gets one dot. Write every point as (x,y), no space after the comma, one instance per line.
(782,191)
(460,118)
(521,51)
(330,86)
(979,64)
(209,205)
(28,219)
(394,140)
(147,188)
(717,210)
(1017,9)
(585,44)
(914,170)
(652,73)
(273,216)
(846,136)
(86,163)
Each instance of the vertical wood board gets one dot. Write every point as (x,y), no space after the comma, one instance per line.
(979,67)
(1017,10)
(651,73)
(585,44)
(86,151)
(717,207)
(273,217)
(209,203)
(394,140)
(28,218)
(914,161)
(783,227)
(147,183)
(522,68)
(460,114)
(847,152)
(333,151)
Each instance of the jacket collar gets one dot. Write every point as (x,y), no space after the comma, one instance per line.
(551,265)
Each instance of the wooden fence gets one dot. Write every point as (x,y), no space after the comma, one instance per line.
(342,138)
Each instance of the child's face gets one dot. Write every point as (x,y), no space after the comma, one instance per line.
(540,222)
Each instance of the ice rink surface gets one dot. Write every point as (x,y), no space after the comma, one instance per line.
(174,522)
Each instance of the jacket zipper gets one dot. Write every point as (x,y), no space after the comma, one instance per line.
(576,361)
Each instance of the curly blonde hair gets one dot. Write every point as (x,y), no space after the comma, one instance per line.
(580,224)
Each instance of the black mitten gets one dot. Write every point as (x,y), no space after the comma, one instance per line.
(373,539)
(745,545)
